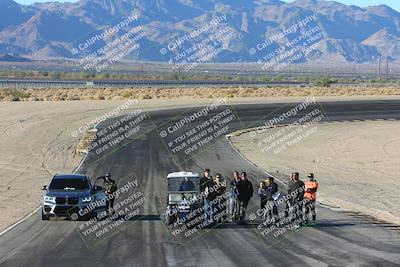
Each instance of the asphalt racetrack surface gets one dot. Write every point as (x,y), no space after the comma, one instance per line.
(145,156)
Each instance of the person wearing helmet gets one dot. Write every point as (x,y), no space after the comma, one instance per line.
(310,196)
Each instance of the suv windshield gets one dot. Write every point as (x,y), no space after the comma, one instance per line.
(69,184)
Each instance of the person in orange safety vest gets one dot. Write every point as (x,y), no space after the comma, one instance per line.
(310,196)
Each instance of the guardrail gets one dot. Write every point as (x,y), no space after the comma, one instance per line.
(15,84)
(18,83)
(41,83)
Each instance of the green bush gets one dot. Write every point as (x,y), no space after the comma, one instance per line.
(21,94)
(324,81)
(87,75)
(278,78)
(55,75)
(44,73)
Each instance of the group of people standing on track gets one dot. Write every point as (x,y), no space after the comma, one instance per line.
(231,205)
(215,203)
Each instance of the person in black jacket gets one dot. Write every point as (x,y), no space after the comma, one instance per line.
(207,191)
(296,191)
(110,186)
(205,180)
(245,192)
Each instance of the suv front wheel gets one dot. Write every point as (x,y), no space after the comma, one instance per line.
(45,217)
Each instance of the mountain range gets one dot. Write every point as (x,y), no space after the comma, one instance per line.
(53,30)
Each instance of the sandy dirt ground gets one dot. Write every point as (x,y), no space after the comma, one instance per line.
(36,142)
(355,163)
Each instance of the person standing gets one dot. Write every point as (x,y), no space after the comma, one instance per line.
(262,193)
(310,197)
(233,202)
(206,188)
(288,207)
(110,187)
(203,183)
(220,186)
(245,192)
(296,191)
(272,190)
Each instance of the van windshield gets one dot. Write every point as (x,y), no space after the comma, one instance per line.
(69,184)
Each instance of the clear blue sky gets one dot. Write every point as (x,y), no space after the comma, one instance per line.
(395,4)
(27,2)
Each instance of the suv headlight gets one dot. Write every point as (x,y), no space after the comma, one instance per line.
(86,199)
(49,199)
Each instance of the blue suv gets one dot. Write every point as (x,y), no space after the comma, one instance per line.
(72,196)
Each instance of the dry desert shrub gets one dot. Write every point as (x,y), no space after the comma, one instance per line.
(72,94)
